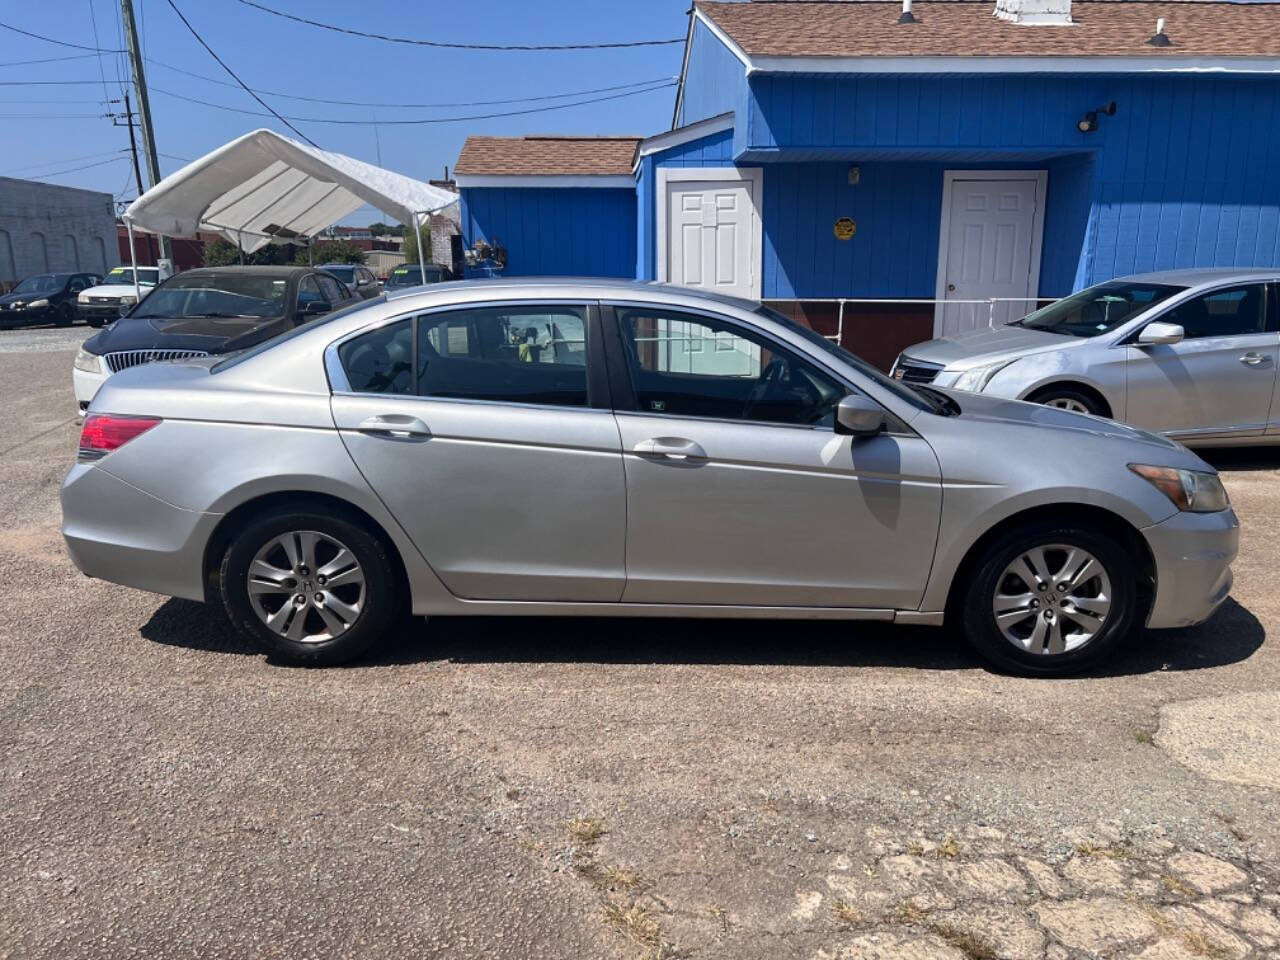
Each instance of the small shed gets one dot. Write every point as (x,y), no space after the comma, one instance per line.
(923,171)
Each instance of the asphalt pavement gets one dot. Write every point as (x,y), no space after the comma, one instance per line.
(614,788)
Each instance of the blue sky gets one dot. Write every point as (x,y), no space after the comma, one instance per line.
(271,54)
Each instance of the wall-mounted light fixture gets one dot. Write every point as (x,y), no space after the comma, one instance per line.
(1089,122)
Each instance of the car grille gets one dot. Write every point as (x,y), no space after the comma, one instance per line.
(916,371)
(115,300)
(124,359)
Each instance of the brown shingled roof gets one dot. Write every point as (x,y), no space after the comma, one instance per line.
(547,156)
(1103,28)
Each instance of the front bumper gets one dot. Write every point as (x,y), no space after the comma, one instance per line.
(117,532)
(17,318)
(1193,554)
(107,312)
(86,384)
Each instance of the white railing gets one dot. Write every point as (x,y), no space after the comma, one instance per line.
(993,305)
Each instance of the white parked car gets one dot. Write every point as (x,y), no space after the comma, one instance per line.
(101,304)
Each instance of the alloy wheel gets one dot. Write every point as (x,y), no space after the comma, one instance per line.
(306,586)
(1052,599)
(1067,403)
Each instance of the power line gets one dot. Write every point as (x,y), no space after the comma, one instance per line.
(61,43)
(402,105)
(24,63)
(50,116)
(233,76)
(48,83)
(414,122)
(59,173)
(56,163)
(460,46)
(93,19)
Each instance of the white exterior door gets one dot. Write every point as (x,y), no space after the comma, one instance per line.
(712,236)
(990,248)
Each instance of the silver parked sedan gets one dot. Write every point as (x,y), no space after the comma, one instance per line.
(612,448)
(1192,354)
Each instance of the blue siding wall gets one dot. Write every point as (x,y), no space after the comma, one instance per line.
(713,150)
(1186,174)
(715,81)
(555,231)
(898,211)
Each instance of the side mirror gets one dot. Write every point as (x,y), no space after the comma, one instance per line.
(313,308)
(858,416)
(1156,332)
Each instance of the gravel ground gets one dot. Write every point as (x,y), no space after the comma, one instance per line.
(611,788)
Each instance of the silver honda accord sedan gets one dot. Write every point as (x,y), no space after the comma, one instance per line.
(603,448)
(1192,354)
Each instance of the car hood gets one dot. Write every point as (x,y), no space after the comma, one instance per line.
(116,290)
(997,410)
(211,334)
(979,347)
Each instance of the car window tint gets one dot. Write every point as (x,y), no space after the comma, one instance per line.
(331,289)
(525,354)
(308,291)
(1223,313)
(685,365)
(380,361)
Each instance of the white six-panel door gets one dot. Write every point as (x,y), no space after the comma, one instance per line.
(989,248)
(709,229)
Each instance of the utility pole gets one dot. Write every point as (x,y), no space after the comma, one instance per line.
(144,105)
(133,144)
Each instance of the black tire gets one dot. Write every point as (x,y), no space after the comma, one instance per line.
(1069,398)
(65,315)
(379,608)
(95,322)
(979,619)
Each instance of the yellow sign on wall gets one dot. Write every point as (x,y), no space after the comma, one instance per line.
(845,228)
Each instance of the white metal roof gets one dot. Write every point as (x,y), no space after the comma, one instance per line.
(262,188)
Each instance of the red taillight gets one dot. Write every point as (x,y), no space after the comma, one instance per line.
(104,432)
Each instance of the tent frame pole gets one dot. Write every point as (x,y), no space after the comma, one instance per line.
(417,236)
(240,246)
(133,259)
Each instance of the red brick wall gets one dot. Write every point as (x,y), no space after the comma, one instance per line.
(875,332)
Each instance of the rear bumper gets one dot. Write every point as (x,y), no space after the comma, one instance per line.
(116,532)
(1193,554)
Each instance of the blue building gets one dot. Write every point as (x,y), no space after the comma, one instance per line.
(980,156)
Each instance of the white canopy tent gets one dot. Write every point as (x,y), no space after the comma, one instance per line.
(265,188)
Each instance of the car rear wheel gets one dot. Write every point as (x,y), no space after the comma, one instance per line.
(311,589)
(1051,599)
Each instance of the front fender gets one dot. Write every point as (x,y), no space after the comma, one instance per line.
(1029,375)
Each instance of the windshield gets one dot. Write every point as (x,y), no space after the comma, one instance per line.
(345,274)
(41,283)
(1097,310)
(216,295)
(125,275)
(900,390)
(412,276)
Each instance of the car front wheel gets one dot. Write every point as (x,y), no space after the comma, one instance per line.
(312,589)
(1051,599)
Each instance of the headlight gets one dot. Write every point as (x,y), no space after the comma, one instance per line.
(1190,490)
(975,380)
(37,304)
(128,298)
(83,298)
(88,362)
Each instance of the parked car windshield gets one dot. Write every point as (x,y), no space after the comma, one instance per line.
(42,283)
(215,295)
(900,390)
(346,274)
(125,275)
(1097,310)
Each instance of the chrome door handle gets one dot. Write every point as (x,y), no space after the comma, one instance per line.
(672,448)
(395,426)
(1252,359)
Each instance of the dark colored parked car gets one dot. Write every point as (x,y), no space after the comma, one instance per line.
(45,298)
(410,275)
(211,310)
(359,279)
